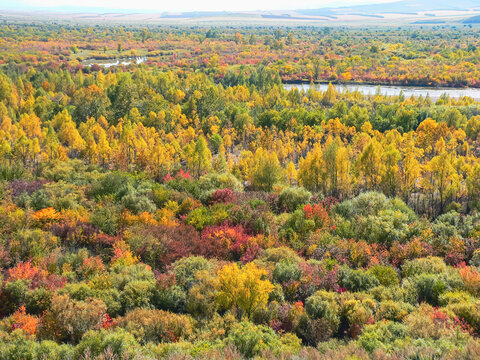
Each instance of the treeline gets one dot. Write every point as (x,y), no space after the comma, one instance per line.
(430,56)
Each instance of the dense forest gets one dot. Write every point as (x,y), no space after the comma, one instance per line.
(182,204)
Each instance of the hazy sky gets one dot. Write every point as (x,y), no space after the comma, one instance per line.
(184,5)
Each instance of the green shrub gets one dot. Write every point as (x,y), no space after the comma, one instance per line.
(40,200)
(215,141)
(161,195)
(213,180)
(112,299)
(199,218)
(137,203)
(34,244)
(429,265)
(12,295)
(286,271)
(386,275)
(429,288)
(69,319)
(123,275)
(185,269)
(468,312)
(137,294)
(109,184)
(38,300)
(455,297)
(12,171)
(120,343)
(278,254)
(172,298)
(317,307)
(358,280)
(393,310)
(382,335)
(51,350)
(157,325)
(250,339)
(106,219)
(322,318)
(293,197)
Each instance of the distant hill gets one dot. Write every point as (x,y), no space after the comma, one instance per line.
(400,11)
(472,20)
(401,7)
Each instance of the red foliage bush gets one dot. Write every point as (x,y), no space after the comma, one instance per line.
(23,271)
(316,277)
(51,282)
(223,242)
(171,244)
(37,276)
(105,240)
(318,214)
(454,258)
(180,175)
(224,196)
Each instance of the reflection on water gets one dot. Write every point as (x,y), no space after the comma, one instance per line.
(109,63)
(393,90)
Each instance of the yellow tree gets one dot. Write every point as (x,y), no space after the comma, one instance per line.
(31,125)
(428,133)
(68,134)
(50,145)
(266,170)
(442,178)
(311,169)
(369,164)
(22,147)
(390,176)
(199,157)
(330,159)
(243,166)
(329,95)
(411,170)
(344,177)
(473,185)
(291,173)
(243,288)
(161,160)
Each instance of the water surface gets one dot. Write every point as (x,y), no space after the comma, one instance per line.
(110,63)
(393,90)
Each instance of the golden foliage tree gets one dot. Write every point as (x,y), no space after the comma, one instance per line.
(243,288)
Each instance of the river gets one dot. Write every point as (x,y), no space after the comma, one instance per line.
(393,90)
(109,63)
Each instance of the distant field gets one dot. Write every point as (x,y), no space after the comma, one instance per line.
(256,18)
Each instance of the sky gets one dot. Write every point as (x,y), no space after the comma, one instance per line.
(182,5)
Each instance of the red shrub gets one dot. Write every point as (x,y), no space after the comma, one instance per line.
(167,244)
(318,214)
(223,242)
(222,196)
